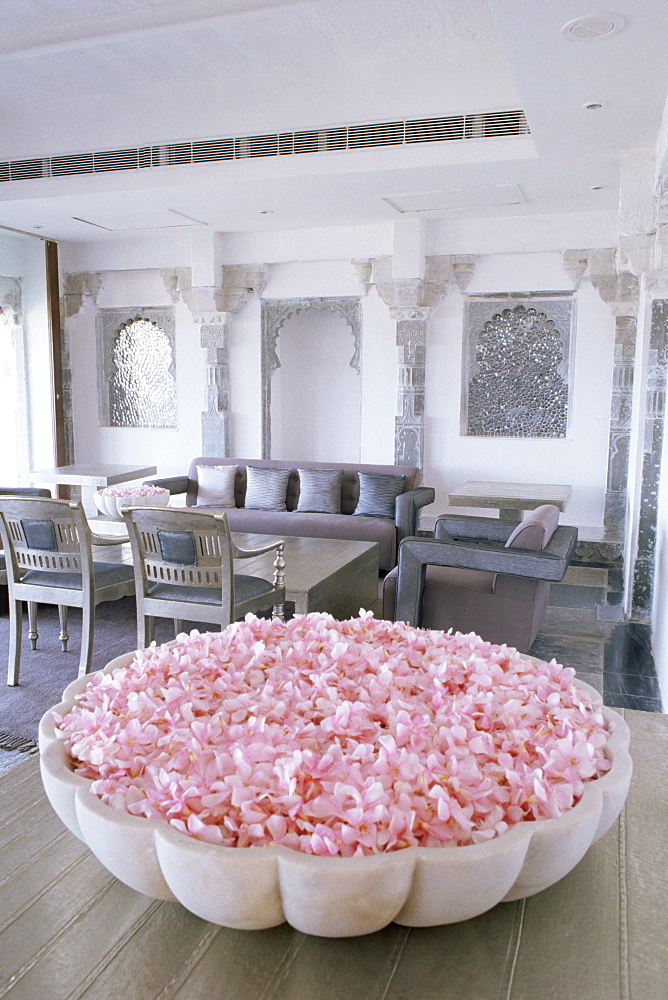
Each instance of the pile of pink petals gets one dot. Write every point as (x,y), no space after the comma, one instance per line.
(132,491)
(336,737)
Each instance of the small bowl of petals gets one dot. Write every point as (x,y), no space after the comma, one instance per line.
(337,775)
(110,500)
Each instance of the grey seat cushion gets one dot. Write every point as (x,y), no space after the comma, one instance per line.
(244,587)
(106,574)
(463,600)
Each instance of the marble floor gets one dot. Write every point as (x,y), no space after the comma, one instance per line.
(582,630)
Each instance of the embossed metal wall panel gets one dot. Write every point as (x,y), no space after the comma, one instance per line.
(516,380)
(136,368)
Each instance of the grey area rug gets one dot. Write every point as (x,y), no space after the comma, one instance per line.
(46,672)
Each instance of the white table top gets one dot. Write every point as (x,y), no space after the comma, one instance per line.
(515,496)
(98,474)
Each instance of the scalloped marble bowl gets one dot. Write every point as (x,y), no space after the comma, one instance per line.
(111,505)
(254,888)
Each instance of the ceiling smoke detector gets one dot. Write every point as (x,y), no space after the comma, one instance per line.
(593,27)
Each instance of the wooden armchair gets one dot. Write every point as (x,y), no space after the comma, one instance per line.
(184,569)
(49,560)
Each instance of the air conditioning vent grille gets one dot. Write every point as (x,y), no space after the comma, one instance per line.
(486,125)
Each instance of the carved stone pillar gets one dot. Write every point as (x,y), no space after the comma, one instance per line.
(212,307)
(207,307)
(655,412)
(620,290)
(410,302)
(409,422)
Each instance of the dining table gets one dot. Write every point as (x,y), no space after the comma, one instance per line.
(90,477)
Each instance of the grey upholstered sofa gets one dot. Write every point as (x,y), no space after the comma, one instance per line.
(337,520)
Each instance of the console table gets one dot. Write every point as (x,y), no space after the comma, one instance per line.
(91,478)
(511,499)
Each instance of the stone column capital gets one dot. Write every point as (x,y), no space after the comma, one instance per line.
(206,304)
(176,280)
(78,288)
(363,268)
(240,281)
(575,264)
(412,298)
(463,269)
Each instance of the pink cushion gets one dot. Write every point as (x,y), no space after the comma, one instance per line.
(537,528)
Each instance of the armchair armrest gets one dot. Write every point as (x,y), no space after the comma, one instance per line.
(108,539)
(175,484)
(258,550)
(449,527)
(406,507)
(415,554)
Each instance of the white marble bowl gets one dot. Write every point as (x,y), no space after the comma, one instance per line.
(254,888)
(111,505)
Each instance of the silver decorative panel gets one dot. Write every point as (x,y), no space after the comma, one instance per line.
(136,368)
(516,371)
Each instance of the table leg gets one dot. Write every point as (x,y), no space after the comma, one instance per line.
(511,515)
(88,500)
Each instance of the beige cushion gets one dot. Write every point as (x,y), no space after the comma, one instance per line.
(215,485)
(537,528)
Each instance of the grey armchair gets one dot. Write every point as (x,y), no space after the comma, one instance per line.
(184,570)
(481,575)
(49,560)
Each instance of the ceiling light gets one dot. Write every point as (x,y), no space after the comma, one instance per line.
(597,187)
(593,105)
(593,27)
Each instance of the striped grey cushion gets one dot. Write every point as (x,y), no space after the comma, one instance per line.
(215,485)
(378,493)
(266,488)
(320,490)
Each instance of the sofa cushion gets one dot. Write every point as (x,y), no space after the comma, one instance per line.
(266,488)
(215,485)
(377,494)
(320,491)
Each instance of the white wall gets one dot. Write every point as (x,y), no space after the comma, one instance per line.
(660,595)
(316,395)
(169,449)
(23,257)
(579,460)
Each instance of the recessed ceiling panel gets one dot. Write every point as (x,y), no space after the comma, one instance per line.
(457,198)
(160,218)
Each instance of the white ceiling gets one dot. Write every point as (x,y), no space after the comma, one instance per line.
(88,75)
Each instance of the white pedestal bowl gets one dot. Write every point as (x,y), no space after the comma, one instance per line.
(110,504)
(254,888)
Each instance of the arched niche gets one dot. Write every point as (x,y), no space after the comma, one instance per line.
(322,356)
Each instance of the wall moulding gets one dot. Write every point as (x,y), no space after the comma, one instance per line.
(275,313)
